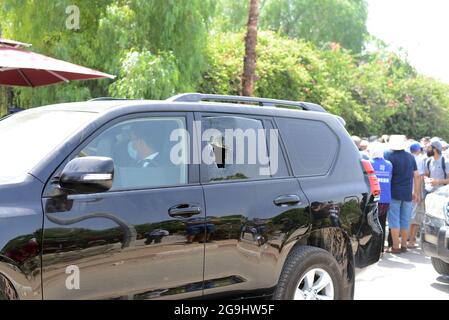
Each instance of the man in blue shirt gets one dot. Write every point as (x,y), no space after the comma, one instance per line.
(404,189)
(383,170)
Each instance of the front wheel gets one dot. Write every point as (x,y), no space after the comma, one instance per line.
(440,266)
(310,273)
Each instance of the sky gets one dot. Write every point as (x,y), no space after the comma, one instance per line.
(420,27)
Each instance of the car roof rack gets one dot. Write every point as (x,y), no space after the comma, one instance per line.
(107,99)
(263,102)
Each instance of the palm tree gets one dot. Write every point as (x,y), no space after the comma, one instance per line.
(249,62)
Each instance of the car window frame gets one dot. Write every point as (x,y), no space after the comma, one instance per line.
(192,169)
(204,177)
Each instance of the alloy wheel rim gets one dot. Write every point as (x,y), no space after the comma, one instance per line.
(315,284)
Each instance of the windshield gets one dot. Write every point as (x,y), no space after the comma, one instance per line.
(27,137)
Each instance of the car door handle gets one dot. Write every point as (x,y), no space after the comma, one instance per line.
(289,199)
(184,210)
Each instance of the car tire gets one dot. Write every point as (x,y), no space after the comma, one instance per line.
(440,266)
(3,295)
(7,291)
(306,270)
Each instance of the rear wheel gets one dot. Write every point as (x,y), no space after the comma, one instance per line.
(440,266)
(310,274)
(7,291)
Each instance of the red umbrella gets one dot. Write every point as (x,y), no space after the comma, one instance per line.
(19,67)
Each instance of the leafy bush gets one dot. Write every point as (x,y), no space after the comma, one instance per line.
(377,93)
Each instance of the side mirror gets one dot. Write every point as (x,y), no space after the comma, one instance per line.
(88,175)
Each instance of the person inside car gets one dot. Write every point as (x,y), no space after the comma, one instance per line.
(145,148)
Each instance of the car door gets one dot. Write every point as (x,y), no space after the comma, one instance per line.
(132,242)
(251,213)
(328,167)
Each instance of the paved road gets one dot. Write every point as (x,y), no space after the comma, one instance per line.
(407,276)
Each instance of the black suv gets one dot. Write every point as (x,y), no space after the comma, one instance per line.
(120,199)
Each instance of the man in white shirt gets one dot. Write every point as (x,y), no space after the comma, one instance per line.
(436,166)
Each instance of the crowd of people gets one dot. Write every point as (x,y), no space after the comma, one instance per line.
(407,170)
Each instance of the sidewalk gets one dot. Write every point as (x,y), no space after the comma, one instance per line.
(406,276)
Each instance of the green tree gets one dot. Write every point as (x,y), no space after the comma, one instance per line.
(110,31)
(310,50)
(250,58)
(230,15)
(49,35)
(422,108)
(376,94)
(288,69)
(180,27)
(146,75)
(319,21)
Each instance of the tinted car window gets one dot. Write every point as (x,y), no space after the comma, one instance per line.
(142,152)
(236,148)
(311,145)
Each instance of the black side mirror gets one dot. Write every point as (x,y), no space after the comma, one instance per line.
(88,175)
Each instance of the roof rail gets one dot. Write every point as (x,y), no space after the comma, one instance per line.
(106,99)
(263,102)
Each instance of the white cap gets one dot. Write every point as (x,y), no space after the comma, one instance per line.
(376,150)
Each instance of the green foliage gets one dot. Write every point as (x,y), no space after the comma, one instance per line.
(308,50)
(319,21)
(144,75)
(376,94)
(286,69)
(172,33)
(176,26)
(231,15)
(422,108)
(49,35)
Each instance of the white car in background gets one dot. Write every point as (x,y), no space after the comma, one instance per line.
(435,230)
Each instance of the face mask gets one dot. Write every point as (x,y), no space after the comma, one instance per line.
(131,151)
(430,153)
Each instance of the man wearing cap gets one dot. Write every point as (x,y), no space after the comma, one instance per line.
(436,166)
(404,189)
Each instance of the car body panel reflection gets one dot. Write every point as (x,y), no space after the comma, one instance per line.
(250,236)
(21,237)
(124,244)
